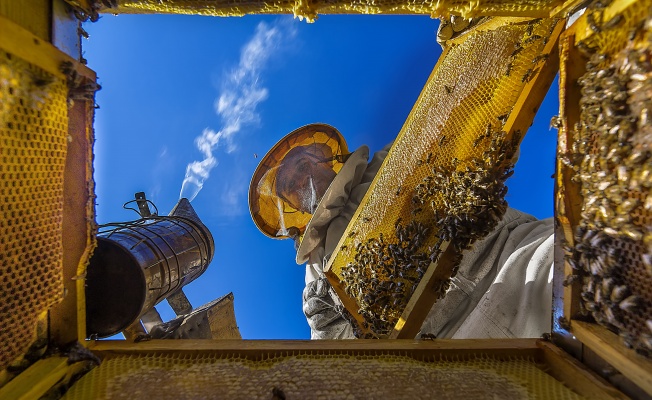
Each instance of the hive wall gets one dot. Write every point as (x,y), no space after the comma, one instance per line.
(45,190)
(33,143)
(605,155)
(603,184)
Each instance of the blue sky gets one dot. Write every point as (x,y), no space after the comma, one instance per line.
(239,85)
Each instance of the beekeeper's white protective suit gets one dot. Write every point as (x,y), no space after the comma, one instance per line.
(503,288)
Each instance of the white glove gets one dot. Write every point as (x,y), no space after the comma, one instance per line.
(324,316)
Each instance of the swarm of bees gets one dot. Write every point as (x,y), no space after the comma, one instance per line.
(79,88)
(468,199)
(459,204)
(612,254)
(385,273)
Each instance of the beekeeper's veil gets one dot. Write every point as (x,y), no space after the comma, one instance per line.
(272,211)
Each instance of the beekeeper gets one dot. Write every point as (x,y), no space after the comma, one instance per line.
(308,186)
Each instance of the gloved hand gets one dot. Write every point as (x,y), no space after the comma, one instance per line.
(324,316)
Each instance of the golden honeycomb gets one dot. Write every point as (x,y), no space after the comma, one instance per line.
(33,142)
(310,9)
(303,375)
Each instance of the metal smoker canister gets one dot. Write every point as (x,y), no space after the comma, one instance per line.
(138,264)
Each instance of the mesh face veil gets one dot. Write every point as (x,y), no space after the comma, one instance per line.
(292,177)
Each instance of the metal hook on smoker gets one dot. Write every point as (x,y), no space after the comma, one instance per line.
(143,206)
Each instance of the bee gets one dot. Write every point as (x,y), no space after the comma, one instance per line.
(366,219)
(630,304)
(449,89)
(142,338)
(585,49)
(632,232)
(599,5)
(531,39)
(398,191)
(503,118)
(634,31)
(277,394)
(628,339)
(518,49)
(416,211)
(428,336)
(619,293)
(72,76)
(351,234)
(81,31)
(647,261)
(540,58)
(613,317)
(442,140)
(593,23)
(445,31)
(570,279)
(508,70)
(646,342)
(459,23)
(529,74)
(41,80)
(531,24)
(563,323)
(613,22)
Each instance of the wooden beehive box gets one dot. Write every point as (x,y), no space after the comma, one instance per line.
(453,368)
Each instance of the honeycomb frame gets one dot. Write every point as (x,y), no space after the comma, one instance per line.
(427,139)
(573,198)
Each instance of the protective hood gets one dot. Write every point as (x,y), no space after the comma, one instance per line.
(274,214)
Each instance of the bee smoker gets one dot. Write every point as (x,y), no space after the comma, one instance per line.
(137,264)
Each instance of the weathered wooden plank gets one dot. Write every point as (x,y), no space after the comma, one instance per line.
(610,347)
(575,375)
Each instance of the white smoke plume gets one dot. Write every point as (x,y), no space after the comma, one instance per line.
(237,103)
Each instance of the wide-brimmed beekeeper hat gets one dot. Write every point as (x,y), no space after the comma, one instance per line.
(273,215)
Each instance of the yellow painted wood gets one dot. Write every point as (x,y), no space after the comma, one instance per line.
(68,318)
(22,43)
(33,15)
(563,10)
(609,346)
(575,375)
(532,95)
(253,348)
(424,297)
(36,380)
(568,197)
(310,10)
(583,30)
